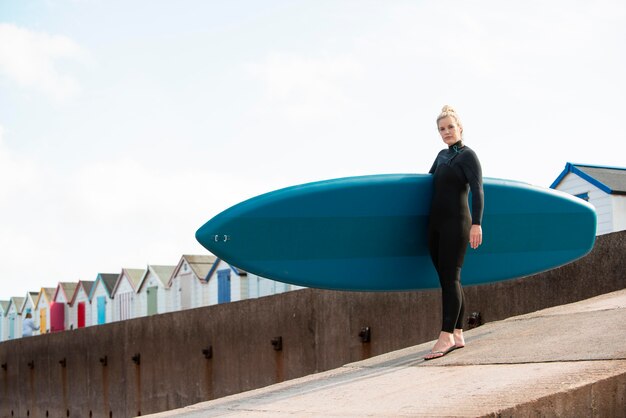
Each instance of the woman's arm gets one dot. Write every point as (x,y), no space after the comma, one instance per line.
(474,175)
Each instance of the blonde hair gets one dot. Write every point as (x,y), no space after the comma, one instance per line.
(449,111)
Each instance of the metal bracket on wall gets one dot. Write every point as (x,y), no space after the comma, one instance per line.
(208,352)
(365,334)
(474,320)
(277,343)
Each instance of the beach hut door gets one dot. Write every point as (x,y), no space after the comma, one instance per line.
(43,321)
(81,314)
(11,326)
(102,309)
(57,316)
(223,286)
(152,300)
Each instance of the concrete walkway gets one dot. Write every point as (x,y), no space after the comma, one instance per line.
(564,361)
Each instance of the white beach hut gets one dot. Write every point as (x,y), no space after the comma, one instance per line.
(188,286)
(80,307)
(42,309)
(29,302)
(4,306)
(153,291)
(100,298)
(604,187)
(228,283)
(124,294)
(14,317)
(60,308)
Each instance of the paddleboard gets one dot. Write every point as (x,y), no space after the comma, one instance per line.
(369,233)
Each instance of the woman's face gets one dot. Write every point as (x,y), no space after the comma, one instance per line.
(450,130)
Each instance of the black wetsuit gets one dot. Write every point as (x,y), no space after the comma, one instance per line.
(455,171)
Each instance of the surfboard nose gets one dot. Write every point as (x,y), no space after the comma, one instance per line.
(207,237)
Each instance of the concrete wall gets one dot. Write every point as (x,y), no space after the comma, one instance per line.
(160,362)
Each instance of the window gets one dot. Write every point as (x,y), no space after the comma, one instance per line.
(583,196)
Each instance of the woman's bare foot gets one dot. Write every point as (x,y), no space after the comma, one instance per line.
(443,346)
(459,341)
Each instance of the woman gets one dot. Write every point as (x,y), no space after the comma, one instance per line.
(28,326)
(455,171)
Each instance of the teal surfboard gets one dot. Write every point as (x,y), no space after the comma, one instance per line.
(369,233)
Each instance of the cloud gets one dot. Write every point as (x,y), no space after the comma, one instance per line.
(33,60)
(20,181)
(132,190)
(306,88)
(16,173)
(111,191)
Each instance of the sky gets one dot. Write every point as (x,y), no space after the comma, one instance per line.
(125,125)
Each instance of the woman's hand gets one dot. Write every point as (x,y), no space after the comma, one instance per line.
(476,236)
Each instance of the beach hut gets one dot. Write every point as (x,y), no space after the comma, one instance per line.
(42,308)
(188,286)
(602,186)
(100,298)
(60,306)
(124,293)
(28,306)
(14,317)
(4,306)
(153,290)
(228,283)
(80,308)
(29,302)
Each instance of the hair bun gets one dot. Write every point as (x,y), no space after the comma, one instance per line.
(447,109)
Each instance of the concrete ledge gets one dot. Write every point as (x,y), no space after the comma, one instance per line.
(564,361)
(602,398)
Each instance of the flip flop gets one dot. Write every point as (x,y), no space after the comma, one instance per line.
(439,354)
